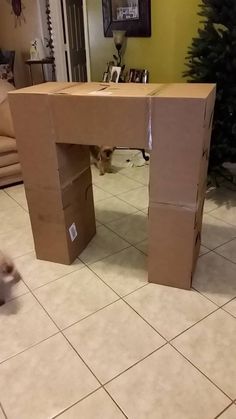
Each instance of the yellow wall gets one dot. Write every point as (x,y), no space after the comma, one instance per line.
(19,38)
(174,23)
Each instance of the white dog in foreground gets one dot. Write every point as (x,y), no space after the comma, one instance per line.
(9,273)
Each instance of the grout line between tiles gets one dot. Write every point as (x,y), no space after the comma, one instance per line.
(56,279)
(201,372)
(219,306)
(109,228)
(220,245)
(221,219)
(223,411)
(89,315)
(30,347)
(224,257)
(16,202)
(3,411)
(193,325)
(61,332)
(74,404)
(103,258)
(114,401)
(205,296)
(136,363)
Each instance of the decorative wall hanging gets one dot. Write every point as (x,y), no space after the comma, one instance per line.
(17,10)
(131,16)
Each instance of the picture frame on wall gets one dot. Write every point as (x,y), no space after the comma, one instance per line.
(132,16)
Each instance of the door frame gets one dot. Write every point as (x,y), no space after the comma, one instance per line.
(58,39)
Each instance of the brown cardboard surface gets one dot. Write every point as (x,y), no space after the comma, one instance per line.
(181,131)
(100,113)
(174,243)
(53,213)
(177,118)
(100,120)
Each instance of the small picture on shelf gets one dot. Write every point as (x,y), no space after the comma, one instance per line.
(137,76)
(115,74)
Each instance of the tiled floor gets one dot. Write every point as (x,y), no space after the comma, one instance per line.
(94,340)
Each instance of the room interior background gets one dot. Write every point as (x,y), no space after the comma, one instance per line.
(174,23)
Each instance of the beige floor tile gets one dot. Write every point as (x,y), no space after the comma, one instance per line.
(104,244)
(44,380)
(113,339)
(228,250)
(112,209)
(140,174)
(215,278)
(165,386)
(139,197)
(2,416)
(211,346)
(13,218)
(217,197)
(133,228)
(115,183)
(226,213)
(143,246)
(119,162)
(10,289)
(23,324)
(230,413)
(74,297)
(38,272)
(124,272)
(18,243)
(212,200)
(203,250)
(145,210)
(169,310)
(215,232)
(99,194)
(6,201)
(231,307)
(97,406)
(18,194)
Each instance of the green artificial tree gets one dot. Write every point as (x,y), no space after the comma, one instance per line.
(212,59)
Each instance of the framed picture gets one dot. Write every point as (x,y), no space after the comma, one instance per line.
(132,16)
(115,74)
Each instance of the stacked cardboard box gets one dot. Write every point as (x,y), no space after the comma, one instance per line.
(174,121)
(182,130)
(57,179)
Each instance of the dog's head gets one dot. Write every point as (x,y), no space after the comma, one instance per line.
(7,268)
(106,152)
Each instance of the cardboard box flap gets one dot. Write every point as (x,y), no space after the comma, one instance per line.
(188,90)
(115,121)
(43,88)
(113,89)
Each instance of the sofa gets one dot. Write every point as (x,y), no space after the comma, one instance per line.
(10,169)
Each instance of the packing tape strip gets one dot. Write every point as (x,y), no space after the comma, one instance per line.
(150,123)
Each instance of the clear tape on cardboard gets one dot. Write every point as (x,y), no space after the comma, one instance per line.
(150,123)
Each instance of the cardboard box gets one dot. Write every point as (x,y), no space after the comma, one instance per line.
(63,221)
(181,127)
(174,121)
(174,244)
(100,113)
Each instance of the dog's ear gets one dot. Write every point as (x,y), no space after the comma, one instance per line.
(7,267)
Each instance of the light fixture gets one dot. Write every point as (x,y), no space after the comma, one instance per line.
(119,37)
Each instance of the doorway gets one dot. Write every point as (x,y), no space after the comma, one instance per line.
(70,40)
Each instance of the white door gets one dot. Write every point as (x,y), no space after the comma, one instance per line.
(73,14)
(70,38)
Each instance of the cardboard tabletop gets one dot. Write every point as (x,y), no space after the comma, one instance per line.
(177,90)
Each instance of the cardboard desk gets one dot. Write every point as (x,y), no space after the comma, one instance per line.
(55,123)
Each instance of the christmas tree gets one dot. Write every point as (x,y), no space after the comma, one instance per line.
(212,59)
